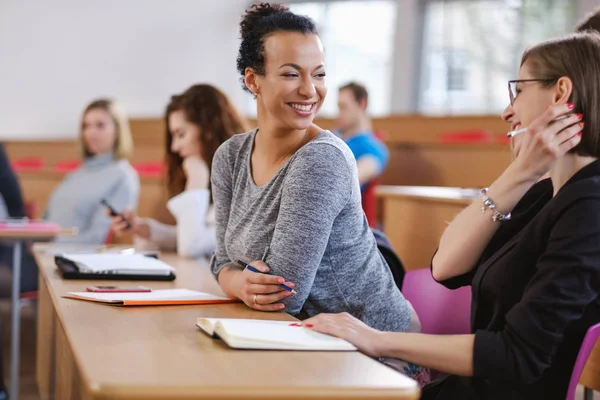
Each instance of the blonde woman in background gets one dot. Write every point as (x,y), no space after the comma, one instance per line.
(106,146)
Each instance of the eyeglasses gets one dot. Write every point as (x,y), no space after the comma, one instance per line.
(512,86)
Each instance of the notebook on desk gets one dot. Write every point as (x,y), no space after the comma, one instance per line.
(269,335)
(113,266)
(167,297)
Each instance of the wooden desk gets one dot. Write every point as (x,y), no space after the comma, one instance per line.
(95,351)
(414,218)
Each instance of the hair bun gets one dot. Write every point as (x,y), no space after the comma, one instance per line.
(257,12)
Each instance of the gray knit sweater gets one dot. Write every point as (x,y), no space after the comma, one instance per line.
(311,218)
(76,201)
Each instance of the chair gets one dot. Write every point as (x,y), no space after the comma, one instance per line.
(475,136)
(28,165)
(590,339)
(441,311)
(369,194)
(67,166)
(391,258)
(153,169)
(369,202)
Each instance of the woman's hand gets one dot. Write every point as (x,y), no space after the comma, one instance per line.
(349,328)
(197,173)
(261,291)
(118,225)
(545,141)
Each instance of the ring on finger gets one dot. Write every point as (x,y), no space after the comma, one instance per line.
(254,299)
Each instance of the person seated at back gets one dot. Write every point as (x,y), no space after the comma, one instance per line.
(354,125)
(11,205)
(591,22)
(106,145)
(197,122)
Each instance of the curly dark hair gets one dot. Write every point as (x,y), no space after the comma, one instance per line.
(260,21)
(211,110)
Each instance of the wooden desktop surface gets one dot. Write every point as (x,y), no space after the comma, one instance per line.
(96,351)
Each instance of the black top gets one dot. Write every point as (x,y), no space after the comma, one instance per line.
(9,187)
(535,293)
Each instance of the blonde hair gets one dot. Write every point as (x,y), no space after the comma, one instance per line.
(124,141)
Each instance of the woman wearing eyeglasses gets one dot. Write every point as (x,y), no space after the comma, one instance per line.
(532,256)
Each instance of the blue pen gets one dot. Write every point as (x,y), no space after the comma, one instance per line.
(251,268)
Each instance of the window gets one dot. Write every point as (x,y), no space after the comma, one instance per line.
(472,48)
(358,37)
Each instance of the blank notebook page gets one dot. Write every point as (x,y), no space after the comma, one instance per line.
(280,333)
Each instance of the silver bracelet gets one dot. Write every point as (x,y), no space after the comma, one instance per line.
(488,204)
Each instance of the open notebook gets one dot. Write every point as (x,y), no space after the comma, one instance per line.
(269,335)
(168,297)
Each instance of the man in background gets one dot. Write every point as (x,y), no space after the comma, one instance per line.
(591,22)
(354,126)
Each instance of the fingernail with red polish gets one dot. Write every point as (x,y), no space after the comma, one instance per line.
(309,325)
(579,116)
(296,324)
(571,106)
(579,134)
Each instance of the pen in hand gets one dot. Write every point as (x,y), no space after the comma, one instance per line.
(251,268)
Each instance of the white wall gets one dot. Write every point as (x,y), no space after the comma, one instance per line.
(55,56)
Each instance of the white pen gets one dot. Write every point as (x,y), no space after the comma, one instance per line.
(522,130)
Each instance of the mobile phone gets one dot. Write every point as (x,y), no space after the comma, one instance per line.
(114,213)
(118,289)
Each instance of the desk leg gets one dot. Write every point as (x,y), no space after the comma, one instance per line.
(16,321)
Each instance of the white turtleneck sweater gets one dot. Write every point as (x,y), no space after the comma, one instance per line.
(76,201)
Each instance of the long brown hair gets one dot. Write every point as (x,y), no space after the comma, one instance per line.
(208,108)
(575,56)
(124,141)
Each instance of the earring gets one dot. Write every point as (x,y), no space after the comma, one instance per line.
(255,95)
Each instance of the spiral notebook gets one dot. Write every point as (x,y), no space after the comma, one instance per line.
(270,335)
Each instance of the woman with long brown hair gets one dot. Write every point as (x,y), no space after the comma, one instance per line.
(529,248)
(197,122)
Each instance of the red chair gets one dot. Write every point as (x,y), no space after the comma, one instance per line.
(67,166)
(591,337)
(476,136)
(369,202)
(369,194)
(149,169)
(30,208)
(28,165)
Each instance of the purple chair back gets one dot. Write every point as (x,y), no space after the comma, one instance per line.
(441,311)
(587,346)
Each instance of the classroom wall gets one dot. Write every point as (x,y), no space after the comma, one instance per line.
(57,55)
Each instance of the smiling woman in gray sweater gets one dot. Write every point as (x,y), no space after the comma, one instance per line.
(105,174)
(287,196)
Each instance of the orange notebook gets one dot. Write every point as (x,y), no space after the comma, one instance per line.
(168,297)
